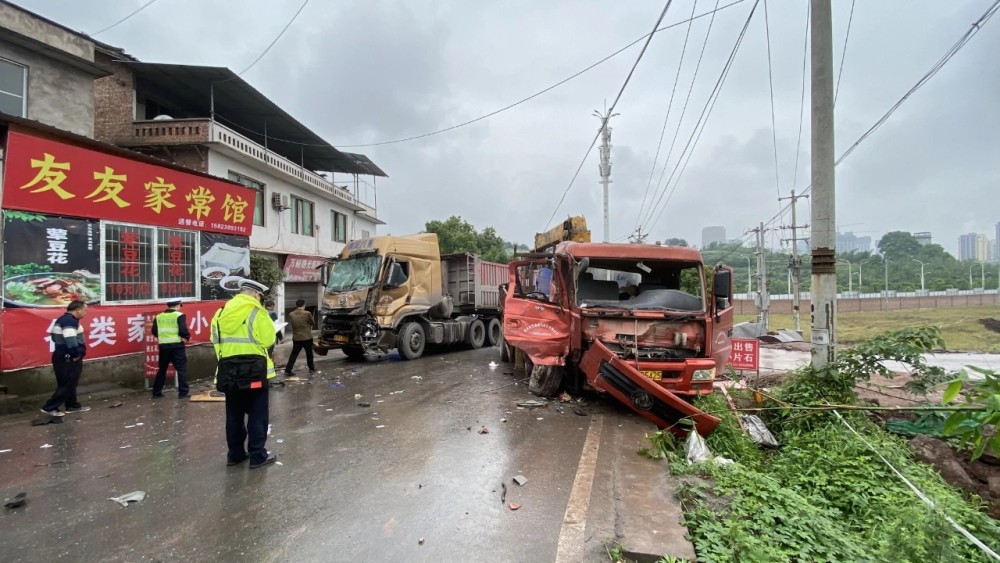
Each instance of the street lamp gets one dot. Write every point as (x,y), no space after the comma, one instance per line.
(860,286)
(886,260)
(921,273)
(982,274)
(749,277)
(850,276)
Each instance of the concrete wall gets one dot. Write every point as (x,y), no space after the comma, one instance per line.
(784,307)
(124,370)
(58,94)
(50,33)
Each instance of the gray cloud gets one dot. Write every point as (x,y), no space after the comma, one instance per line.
(372,71)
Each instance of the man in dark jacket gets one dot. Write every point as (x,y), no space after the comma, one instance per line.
(69,348)
(170,329)
(302,337)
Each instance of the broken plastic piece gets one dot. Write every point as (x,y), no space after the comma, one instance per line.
(46,446)
(484,430)
(565,397)
(17,502)
(357,396)
(759,432)
(533,404)
(114,406)
(513,505)
(364,404)
(493,365)
(520,480)
(134,496)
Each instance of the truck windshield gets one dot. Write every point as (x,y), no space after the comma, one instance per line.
(354,272)
(642,285)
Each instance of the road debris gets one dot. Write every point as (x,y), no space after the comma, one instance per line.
(364,404)
(51,463)
(503,420)
(124,447)
(520,480)
(484,430)
(44,446)
(420,541)
(493,366)
(539,418)
(17,502)
(533,404)
(134,496)
(280,440)
(357,396)
(513,506)
(115,406)
(268,429)
(380,426)
(415,377)
(503,493)
(5,451)
(759,432)
(278,463)
(580,412)
(565,397)
(163,440)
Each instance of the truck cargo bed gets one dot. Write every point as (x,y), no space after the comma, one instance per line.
(473,283)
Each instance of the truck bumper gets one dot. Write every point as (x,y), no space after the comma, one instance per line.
(650,399)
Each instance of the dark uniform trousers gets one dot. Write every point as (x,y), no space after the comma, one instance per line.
(246,414)
(178,357)
(67,377)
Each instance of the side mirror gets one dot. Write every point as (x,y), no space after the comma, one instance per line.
(396,276)
(584,264)
(722,284)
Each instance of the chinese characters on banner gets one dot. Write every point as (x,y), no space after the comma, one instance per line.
(51,177)
(50,261)
(176,264)
(745,354)
(109,331)
(128,259)
(303,269)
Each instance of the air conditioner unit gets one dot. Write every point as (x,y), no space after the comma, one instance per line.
(279,201)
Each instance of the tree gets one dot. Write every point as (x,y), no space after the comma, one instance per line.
(458,235)
(899,245)
(676,242)
(264,269)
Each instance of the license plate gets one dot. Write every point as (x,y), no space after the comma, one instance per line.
(341,338)
(654,375)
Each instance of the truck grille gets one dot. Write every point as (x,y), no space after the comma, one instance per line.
(651,353)
(629,388)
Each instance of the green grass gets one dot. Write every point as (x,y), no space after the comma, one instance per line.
(960,327)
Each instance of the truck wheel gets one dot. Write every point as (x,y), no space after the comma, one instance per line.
(355,353)
(476,335)
(411,341)
(545,380)
(504,351)
(494,332)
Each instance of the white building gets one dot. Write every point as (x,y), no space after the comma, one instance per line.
(312,198)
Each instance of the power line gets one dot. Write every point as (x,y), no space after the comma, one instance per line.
(687,99)
(670,105)
(283,30)
(974,28)
(539,93)
(770,84)
(604,122)
(702,122)
(126,18)
(802,101)
(843,54)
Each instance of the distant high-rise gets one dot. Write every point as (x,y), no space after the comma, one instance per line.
(712,234)
(983,248)
(967,247)
(849,242)
(923,238)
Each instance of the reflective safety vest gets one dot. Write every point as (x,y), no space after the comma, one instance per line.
(243,328)
(167,329)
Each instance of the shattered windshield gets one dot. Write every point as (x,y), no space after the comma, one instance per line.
(354,272)
(641,285)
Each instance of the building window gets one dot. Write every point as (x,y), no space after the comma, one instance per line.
(258,210)
(339,227)
(143,264)
(13,88)
(303,217)
(365,234)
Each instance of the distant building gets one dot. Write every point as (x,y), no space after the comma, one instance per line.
(967,247)
(983,244)
(849,242)
(923,238)
(712,234)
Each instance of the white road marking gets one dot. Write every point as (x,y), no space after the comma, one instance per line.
(571,536)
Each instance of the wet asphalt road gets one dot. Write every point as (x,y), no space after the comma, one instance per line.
(354,484)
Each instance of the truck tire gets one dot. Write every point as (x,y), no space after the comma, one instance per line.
(476,335)
(545,380)
(411,341)
(356,353)
(494,332)
(504,351)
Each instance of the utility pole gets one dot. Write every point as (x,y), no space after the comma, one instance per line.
(795,263)
(605,166)
(763,298)
(638,237)
(824,216)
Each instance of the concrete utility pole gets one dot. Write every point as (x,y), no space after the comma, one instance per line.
(605,166)
(824,216)
(923,288)
(763,298)
(795,263)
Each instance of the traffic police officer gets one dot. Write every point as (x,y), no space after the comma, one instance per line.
(243,336)
(170,329)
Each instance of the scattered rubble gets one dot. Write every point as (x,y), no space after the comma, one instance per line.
(134,496)
(520,480)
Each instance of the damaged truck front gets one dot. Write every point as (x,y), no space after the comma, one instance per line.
(643,323)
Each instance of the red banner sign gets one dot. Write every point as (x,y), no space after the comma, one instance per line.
(51,177)
(303,269)
(745,354)
(108,330)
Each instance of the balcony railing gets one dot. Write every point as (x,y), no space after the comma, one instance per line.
(204,130)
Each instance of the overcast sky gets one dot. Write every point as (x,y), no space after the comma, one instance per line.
(367,71)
